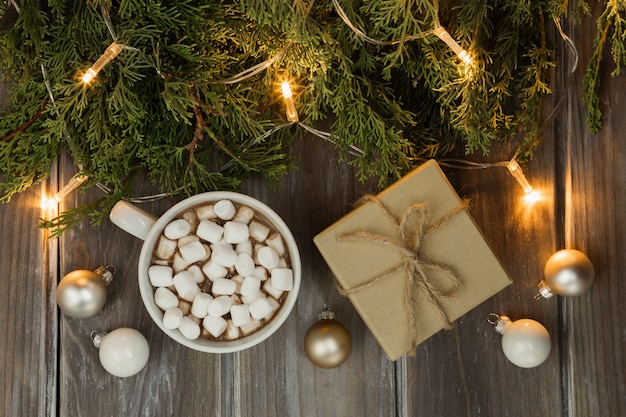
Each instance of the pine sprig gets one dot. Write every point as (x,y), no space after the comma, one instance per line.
(610,28)
(162,106)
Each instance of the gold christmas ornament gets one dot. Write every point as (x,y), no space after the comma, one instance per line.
(82,293)
(526,343)
(568,272)
(327,343)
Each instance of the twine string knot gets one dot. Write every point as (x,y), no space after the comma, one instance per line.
(414,229)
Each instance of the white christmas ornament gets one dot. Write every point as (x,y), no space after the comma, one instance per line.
(525,342)
(123,352)
(568,272)
(83,293)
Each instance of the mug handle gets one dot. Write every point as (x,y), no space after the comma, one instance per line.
(132,219)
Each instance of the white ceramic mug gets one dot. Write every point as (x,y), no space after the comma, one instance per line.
(147,227)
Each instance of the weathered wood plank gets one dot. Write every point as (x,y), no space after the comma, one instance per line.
(596,321)
(28,316)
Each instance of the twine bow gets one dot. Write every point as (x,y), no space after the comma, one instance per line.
(414,263)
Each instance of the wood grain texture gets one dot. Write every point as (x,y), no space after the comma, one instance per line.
(595,333)
(48,366)
(28,314)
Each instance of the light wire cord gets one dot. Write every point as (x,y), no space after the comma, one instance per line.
(329,137)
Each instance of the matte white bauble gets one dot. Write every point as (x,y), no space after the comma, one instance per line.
(123,352)
(525,342)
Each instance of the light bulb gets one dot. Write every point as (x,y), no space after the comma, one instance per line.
(110,53)
(292,114)
(445,36)
(518,174)
(74,182)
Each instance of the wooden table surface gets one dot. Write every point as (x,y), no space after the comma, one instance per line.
(49,367)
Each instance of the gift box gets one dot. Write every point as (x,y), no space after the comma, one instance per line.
(411,260)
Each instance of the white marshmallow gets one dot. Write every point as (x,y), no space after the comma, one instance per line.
(258,231)
(235,232)
(160,276)
(215,325)
(192,219)
(260,273)
(224,255)
(282,279)
(267,257)
(244,264)
(238,279)
(189,328)
(205,212)
(179,263)
(200,306)
(165,299)
(186,286)
(232,331)
(275,241)
(185,240)
(177,229)
(275,306)
(193,252)
(260,308)
(244,247)
(213,270)
(210,231)
(240,315)
(271,290)
(250,286)
(244,214)
(196,273)
(223,286)
(165,248)
(184,306)
(172,318)
(164,262)
(225,209)
(249,300)
(252,326)
(219,306)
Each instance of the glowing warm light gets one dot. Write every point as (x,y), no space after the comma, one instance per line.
(49,203)
(292,114)
(89,75)
(445,36)
(517,173)
(110,53)
(532,197)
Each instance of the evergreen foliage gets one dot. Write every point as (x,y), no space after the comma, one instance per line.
(162,106)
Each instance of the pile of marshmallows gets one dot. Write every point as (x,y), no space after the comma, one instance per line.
(219,268)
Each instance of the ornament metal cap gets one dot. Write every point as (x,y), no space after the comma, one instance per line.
(500,322)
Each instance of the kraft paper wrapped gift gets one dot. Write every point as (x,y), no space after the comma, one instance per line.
(359,259)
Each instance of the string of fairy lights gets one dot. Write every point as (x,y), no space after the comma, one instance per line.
(115,48)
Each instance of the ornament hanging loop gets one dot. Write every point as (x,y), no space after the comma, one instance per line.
(96,337)
(106,272)
(499,321)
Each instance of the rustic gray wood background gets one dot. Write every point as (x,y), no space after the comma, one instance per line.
(48,366)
